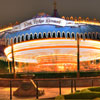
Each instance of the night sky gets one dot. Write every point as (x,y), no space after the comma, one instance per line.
(21,10)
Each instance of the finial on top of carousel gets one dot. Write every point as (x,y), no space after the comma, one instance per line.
(63,17)
(94,19)
(87,18)
(71,18)
(67,18)
(16,23)
(55,4)
(79,18)
(10,24)
(55,12)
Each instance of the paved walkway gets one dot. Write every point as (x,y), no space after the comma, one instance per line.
(49,93)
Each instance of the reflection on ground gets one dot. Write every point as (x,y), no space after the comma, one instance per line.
(49,92)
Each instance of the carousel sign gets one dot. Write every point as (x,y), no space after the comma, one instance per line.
(43,21)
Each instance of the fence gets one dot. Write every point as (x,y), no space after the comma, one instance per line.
(71,83)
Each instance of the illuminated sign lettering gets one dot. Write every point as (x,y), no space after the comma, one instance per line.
(44,21)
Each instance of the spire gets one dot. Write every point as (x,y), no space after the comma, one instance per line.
(55,4)
(55,12)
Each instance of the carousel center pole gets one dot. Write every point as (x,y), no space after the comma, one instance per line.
(78,57)
(13,62)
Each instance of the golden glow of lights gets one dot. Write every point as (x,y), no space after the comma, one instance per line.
(55,55)
(5,29)
(77,22)
(61,68)
(41,51)
(66,64)
(88,22)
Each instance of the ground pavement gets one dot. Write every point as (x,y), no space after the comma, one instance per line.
(49,93)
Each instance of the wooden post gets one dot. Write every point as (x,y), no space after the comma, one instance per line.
(9,66)
(10,90)
(75,85)
(71,86)
(78,57)
(37,90)
(92,82)
(13,62)
(59,87)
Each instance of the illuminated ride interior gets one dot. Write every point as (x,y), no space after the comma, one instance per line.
(54,54)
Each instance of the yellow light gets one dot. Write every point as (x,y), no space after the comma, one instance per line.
(87,22)
(5,29)
(32,51)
